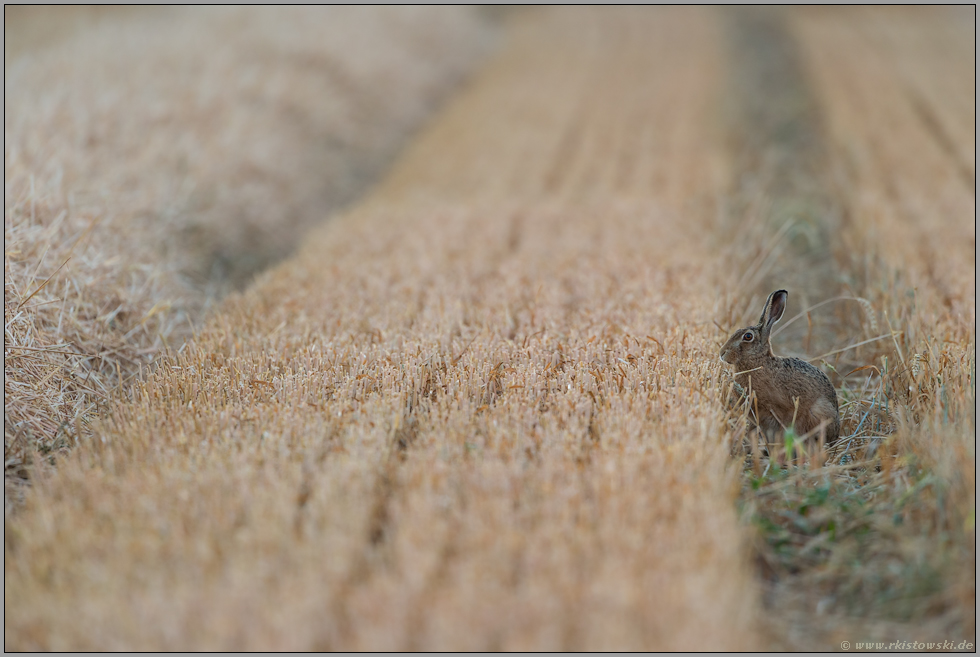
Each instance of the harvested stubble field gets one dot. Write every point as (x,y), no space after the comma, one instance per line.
(161,157)
(483,409)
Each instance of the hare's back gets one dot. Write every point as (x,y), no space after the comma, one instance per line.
(806,380)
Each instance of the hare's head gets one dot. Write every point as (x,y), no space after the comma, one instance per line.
(751,344)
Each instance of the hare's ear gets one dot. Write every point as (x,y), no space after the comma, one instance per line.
(775,306)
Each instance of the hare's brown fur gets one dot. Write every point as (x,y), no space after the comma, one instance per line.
(785,388)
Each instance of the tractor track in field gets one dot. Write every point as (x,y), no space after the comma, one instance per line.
(788,178)
(781,183)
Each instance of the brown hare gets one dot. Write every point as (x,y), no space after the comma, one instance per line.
(789,392)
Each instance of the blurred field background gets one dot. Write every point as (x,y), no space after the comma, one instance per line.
(157,159)
(481,406)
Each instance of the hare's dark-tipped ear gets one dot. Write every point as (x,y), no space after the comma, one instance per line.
(775,305)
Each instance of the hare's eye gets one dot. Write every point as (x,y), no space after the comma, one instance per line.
(748,337)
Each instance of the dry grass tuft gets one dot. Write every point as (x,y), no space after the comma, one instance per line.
(78,324)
